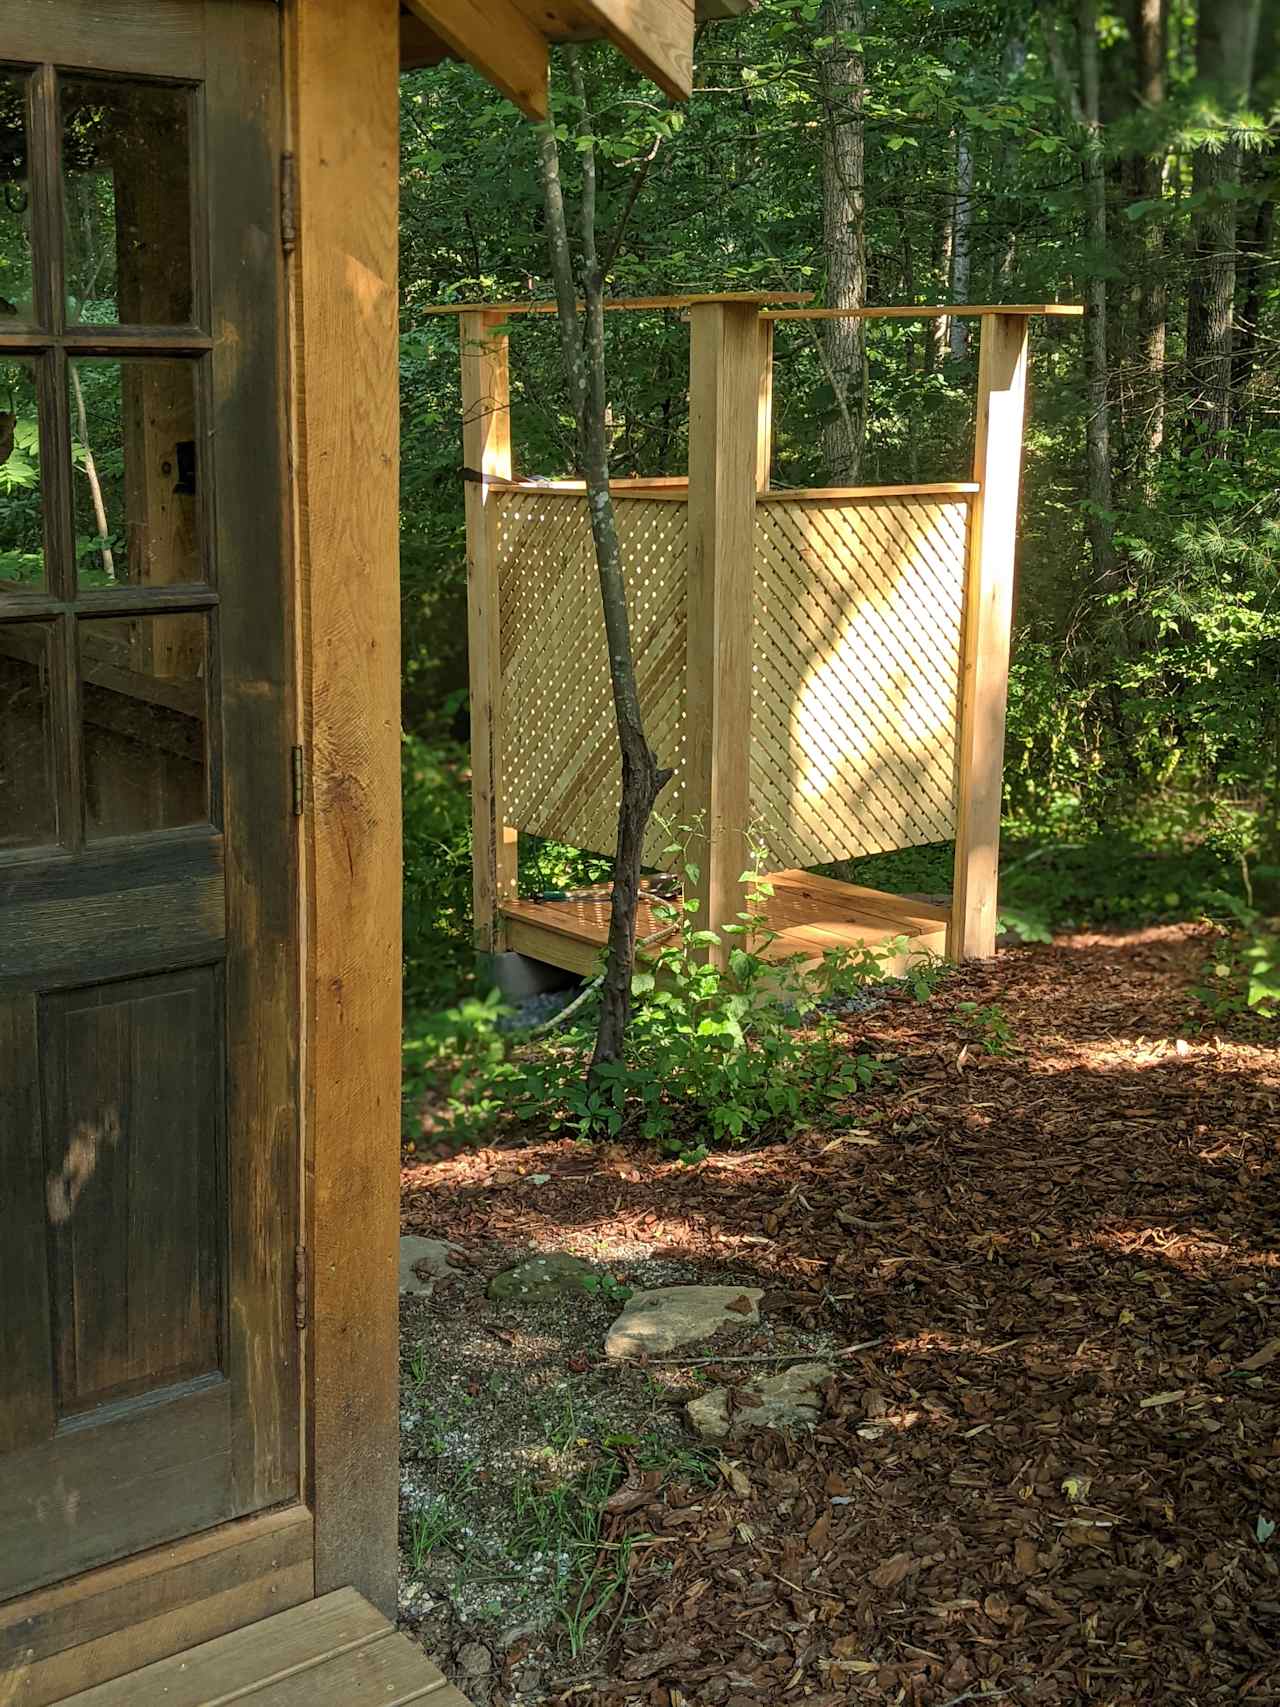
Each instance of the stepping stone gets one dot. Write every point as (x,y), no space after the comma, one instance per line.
(543,1278)
(668,1317)
(422,1263)
(789,1400)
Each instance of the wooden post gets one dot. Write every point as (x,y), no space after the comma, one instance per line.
(486,450)
(764,409)
(726,393)
(988,613)
(342,69)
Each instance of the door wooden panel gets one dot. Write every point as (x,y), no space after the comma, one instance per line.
(133,1168)
(149,1161)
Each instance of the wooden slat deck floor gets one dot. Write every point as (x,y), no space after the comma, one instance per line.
(337,1651)
(810,915)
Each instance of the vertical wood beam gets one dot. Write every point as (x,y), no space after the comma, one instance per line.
(486,451)
(725,389)
(342,64)
(988,615)
(764,409)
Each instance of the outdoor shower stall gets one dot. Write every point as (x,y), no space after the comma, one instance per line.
(825,670)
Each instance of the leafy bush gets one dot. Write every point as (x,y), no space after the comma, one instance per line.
(437,871)
(713,1056)
(1243,976)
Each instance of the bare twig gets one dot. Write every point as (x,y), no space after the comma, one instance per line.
(762,1357)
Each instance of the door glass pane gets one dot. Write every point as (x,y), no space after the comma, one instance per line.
(133,450)
(127,202)
(15,205)
(143,697)
(28,814)
(21,521)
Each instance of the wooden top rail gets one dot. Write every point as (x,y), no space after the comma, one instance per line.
(831,494)
(623,302)
(951,311)
(624,483)
(677,486)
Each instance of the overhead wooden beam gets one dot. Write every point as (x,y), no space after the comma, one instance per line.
(499,41)
(655,35)
(950,311)
(625,302)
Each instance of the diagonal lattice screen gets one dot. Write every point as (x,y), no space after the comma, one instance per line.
(855,668)
(856,673)
(560,761)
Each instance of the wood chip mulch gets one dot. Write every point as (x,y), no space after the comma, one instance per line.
(1052,1481)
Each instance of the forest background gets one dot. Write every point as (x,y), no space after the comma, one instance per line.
(918,151)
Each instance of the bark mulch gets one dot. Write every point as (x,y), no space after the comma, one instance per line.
(1051,1480)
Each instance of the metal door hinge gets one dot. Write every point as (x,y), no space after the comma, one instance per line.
(288,203)
(297,777)
(301,1288)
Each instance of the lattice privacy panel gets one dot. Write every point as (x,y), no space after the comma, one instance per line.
(855,685)
(560,760)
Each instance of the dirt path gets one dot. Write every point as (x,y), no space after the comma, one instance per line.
(1053,1479)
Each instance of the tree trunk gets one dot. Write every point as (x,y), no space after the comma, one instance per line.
(1226,42)
(582,347)
(961,235)
(1081,105)
(1255,251)
(1149,25)
(842,79)
(937,332)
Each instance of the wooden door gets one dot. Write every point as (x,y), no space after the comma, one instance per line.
(148,1097)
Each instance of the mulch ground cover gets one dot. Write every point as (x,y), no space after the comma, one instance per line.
(1053,1476)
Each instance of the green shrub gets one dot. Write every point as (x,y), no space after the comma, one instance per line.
(1243,977)
(713,1057)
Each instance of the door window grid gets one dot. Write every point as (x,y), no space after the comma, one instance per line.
(51,344)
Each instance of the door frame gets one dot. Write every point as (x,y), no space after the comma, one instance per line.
(339,200)
(342,82)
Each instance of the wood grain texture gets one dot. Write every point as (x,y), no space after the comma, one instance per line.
(724,395)
(869,494)
(952,311)
(117,35)
(486,450)
(134,1165)
(337,1651)
(988,617)
(808,915)
(245,135)
(343,74)
(764,410)
(497,39)
(655,35)
(26,1353)
(98,1626)
(113,911)
(157,1471)
(623,304)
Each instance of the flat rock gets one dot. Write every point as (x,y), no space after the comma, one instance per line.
(422,1263)
(543,1278)
(789,1400)
(668,1317)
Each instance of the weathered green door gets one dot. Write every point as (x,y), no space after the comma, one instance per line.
(148,1133)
